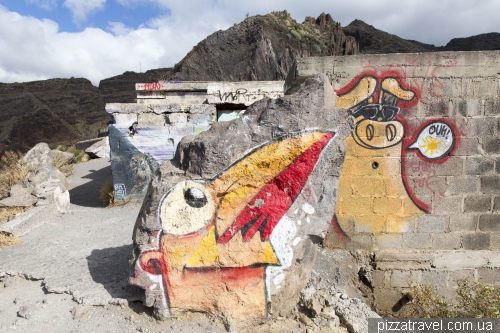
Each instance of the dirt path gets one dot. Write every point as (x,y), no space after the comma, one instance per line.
(78,261)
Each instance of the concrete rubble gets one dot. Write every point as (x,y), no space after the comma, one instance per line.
(45,183)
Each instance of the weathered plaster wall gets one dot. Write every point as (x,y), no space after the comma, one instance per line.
(420,185)
(145,134)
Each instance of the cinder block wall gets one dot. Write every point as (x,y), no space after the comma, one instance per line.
(420,188)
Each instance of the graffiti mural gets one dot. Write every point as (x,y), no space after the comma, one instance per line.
(375,193)
(218,237)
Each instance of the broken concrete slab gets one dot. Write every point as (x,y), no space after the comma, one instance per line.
(19,196)
(99,149)
(243,204)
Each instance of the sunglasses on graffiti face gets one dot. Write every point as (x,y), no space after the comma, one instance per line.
(378,112)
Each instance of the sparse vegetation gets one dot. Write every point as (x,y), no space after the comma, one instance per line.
(474,300)
(79,154)
(62,148)
(60,163)
(107,193)
(12,171)
(7,240)
(295,34)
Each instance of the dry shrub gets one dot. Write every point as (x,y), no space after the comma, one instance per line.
(60,163)
(12,171)
(7,212)
(8,240)
(107,193)
(474,300)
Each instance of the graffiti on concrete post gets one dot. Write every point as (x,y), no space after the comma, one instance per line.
(217,236)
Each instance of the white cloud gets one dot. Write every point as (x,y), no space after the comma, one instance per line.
(81,8)
(45,4)
(33,49)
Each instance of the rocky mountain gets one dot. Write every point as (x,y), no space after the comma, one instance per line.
(55,111)
(262,48)
(372,40)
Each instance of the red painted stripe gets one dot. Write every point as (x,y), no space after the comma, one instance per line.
(278,195)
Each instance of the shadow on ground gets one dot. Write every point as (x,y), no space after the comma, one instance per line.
(109,267)
(87,195)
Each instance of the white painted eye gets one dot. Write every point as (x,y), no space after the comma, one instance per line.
(186,208)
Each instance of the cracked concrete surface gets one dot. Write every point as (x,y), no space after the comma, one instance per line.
(82,255)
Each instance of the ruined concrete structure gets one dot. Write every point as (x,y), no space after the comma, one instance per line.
(420,186)
(145,134)
(409,177)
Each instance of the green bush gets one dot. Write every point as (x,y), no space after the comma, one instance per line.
(296,34)
(474,300)
(316,48)
(62,148)
(302,33)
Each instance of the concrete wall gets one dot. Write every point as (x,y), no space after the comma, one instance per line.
(145,134)
(420,185)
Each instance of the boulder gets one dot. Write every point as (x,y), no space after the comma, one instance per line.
(99,149)
(39,156)
(232,224)
(61,198)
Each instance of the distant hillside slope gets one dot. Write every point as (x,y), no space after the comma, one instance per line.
(262,48)
(56,111)
(372,40)
(490,41)
(121,88)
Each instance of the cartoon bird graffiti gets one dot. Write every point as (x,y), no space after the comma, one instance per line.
(215,243)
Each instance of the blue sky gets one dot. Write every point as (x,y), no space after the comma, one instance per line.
(96,39)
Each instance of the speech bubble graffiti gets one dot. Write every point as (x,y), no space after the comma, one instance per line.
(435,141)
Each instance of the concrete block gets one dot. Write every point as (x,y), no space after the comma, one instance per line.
(150,119)
(480,127)
(166,108)
(453,276)
(360,242)
(405,279)
(491,145)
(436,278)
(476,241)
(492,107)
(463,185)
(446,241)
(454,166)
(387,298)
(447,205)
(403,265)
(380,278)
(479,165)
(417,241)
(431,223)
(456,260)
(489,222)
(389,241)
(490,184)
(463,222)
(174,118)
(495,241)
(472,109)
(468,147)
(489,275)
(477,203)
(496,205)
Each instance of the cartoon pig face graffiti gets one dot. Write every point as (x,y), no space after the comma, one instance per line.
(214,244)
(373,196)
